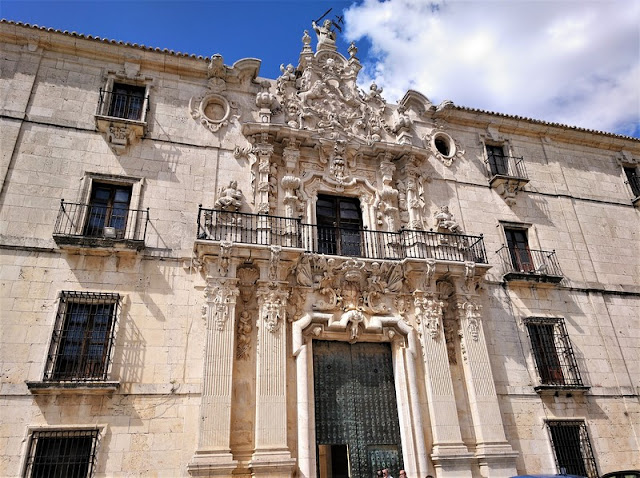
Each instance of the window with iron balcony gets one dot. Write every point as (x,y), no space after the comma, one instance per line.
(122,114)
(106,220)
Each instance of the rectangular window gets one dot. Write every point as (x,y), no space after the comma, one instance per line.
(62,453)
(555,361)
(127,101)
(108,212)
(518,245)
(497,160)
(83,337)
(633,178)
(572,448)
(339,226)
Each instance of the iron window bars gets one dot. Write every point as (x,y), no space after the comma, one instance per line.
(83,337)
(268,230)
(572,448)
(555,361)
(62,454)
(124,101)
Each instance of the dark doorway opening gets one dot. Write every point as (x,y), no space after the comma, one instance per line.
(357,427)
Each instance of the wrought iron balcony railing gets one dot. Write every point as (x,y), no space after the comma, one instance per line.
(90,221)
(128,105)
(531,264)
(509,166)
(216,225)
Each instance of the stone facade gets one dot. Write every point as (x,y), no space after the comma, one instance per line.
(497,256)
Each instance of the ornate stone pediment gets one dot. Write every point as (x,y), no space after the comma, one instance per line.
(321,95)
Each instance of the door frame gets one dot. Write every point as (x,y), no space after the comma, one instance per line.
(405,352)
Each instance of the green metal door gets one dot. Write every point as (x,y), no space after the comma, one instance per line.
(355,405)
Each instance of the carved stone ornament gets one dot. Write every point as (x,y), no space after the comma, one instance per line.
(428,312)
(229,198)
(442,146)
(212,110)
(471,313)
(225,257)
(220,298)
(273,303)
(321,94)
(243,336)
(350,285)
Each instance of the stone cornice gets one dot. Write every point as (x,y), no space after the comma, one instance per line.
(78,44)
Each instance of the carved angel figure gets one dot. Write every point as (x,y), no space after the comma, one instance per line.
(230,198)
(444,220)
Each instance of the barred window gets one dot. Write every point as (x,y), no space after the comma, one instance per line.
(126,101)
(555,361)
(572,448)
(83,337)
(61,453)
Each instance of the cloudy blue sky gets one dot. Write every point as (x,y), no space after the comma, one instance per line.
(569,61)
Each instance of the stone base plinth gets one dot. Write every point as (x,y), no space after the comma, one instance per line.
(452,461)
(497,460)
(212,463)
(273,464)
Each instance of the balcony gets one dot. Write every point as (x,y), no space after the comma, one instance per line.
(122,116)
(264,230)
(524,264)
(508,176)
(87,225)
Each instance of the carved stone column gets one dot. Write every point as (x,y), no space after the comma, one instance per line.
(271,456)
(213,456)
(495,455)
(290,183)
(450,456)
(413,195)
(264,151)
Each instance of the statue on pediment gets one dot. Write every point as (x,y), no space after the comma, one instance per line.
(326,35)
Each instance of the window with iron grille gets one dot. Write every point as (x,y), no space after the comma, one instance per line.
(83,337)
(127,101)
(572,448)
(555,361)
(62,454)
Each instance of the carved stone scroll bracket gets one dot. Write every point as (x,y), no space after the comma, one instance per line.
(248,153)
(351,326)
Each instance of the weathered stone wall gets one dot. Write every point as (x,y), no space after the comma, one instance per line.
(576,203)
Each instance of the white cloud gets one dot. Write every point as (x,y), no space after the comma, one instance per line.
(574,62)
